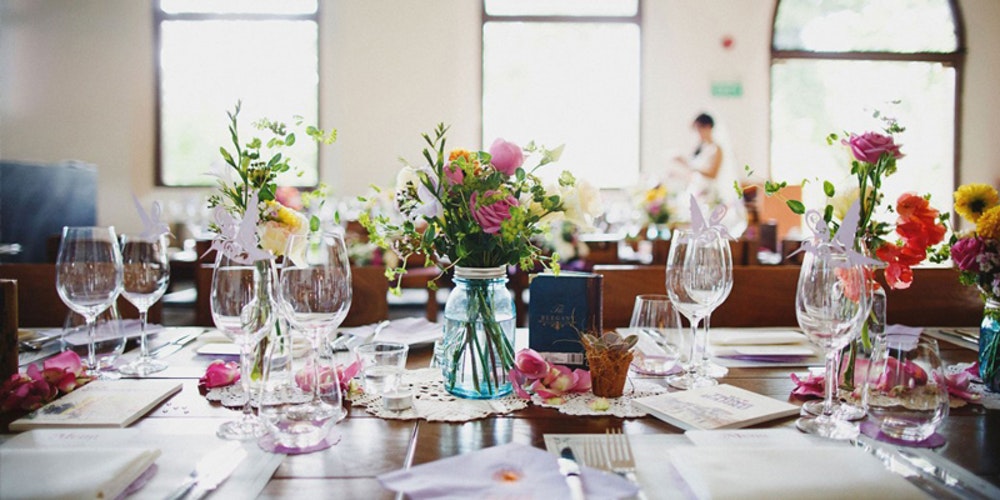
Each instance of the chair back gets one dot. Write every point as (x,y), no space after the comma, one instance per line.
(8,329)
(764,296)
(39,304)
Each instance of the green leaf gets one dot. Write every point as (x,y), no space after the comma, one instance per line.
(228,157)
(314,223)
(828,189)
(828,213)
(290,139)
(796,206)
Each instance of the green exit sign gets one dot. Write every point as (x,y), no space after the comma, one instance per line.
(727,89)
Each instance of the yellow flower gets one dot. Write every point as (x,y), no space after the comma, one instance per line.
(988,226)
(657,193)
(972,200)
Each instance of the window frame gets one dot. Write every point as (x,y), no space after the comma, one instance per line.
(635,19)
(955,59)
(159,16)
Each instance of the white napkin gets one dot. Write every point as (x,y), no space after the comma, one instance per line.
(723,336)
(127,328)
(410,331)
(537,474)
(801,473)
(71,472)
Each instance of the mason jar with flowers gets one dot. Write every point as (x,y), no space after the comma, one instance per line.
(976,254)
(474,213)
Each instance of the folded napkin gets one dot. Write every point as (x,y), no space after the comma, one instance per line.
(902,336)
(723,336)
(801,473)
(71,472)
(127,328)
(410,331)
(507,471)
(764,352)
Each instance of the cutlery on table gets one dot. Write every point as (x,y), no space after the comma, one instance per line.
(37,343)
(175,345)
(619,457)
(347,342)
(211,470)
(570,469)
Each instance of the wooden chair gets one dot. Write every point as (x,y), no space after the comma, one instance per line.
(39,304)
(8,329)
(765,296)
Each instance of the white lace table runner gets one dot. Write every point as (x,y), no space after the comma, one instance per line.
(989,400)
(231,396)
(433,403)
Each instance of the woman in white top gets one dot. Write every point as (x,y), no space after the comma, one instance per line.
(712,176)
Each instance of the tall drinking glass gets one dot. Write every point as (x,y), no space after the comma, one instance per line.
(314,295)
(830,304)
(145,278)
(242,309)
(89,279)
(655,320)
(699,268)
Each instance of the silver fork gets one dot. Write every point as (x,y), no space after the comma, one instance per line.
(619,458)
(593,453)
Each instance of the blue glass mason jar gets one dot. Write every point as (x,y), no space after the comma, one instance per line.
(989,346)
(477,351)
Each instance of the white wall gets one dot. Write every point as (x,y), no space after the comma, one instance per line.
(76,81)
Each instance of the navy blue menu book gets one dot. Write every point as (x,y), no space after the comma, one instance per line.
(561,308)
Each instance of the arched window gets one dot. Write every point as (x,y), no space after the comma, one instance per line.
(834,63)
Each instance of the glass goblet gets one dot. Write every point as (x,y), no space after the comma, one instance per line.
(830,303)
(314,295)
(242,310)
(89,279)
(145,277)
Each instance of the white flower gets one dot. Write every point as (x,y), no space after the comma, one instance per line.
(581,203)
(273,234)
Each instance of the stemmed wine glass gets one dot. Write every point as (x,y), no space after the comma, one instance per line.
(314,295)
(89,279)
(830,304)
(242,309)
(699,269)
(711,368)
(145,278)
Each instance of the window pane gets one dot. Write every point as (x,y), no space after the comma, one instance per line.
(812,98)
(864,25)
(576,84)
(561,7)
(206,66)
(238,6)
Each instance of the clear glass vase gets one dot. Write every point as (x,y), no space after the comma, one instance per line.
(989,346)
(905,391)
(477,350)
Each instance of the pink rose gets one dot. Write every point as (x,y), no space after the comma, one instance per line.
(506,156)
(220,374)
(327,375)
(491,215)
(965,251)
(869,146)
(531,364)
(454,174)
(810,386)
(67,361)
(26,392)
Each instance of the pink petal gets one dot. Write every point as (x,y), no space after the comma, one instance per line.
(582,381)
(66,360)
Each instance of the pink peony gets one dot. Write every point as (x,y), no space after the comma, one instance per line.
(491,214)
(454,174)
(531,364)
(506,156)
(965,252)
(220,374)
(869,147)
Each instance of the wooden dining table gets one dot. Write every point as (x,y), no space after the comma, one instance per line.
(371,446)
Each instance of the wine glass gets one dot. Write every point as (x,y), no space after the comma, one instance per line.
(830,304)
(655,320)
(89,279)
(699,267)
(711,368)
(314,295)
(144,281)
(242,309)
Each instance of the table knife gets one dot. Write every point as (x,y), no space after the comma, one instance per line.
(570,469)
(210,471)
(175,345)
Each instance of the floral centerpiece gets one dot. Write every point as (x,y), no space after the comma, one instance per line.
(655,205)
(249,195)
(900,244)
(976,254)
(477,212)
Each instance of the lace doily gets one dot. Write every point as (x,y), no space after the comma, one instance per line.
(231,396)
(433,403)
(579,404)
(989,400)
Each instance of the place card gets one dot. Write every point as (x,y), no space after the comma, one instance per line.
(715,407)
(100,403)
